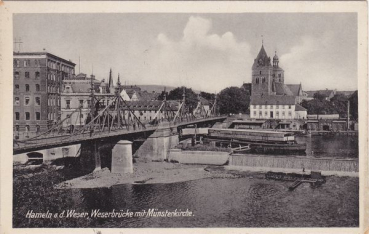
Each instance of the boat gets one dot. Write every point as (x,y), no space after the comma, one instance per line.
(259,141)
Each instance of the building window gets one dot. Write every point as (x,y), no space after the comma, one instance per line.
(16,75)
(260,72)
(88,103)
(290,113)
(16,101)
(277,114)
(38,115)
(67,102)
(81,116)
(263,80)
(37,87)
(26,74)
(28,116)
(27,87)
(81,103)
(289,107)
(266,113)
(17,127)
(260,113)
(16,87)
(257,80)
(16,115)
(277,106)
(254,113)
(38,101)
(283,114)
(37,75)
(27,128)
(280,76)
(26,101)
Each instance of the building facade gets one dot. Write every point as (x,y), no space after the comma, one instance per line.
(271,98)
(37,82)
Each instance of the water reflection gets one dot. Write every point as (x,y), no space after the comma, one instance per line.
(331,146)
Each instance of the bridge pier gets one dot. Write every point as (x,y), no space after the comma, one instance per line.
(90,156)
(157,145)
(122,161)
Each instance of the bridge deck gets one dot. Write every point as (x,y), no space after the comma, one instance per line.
(52,141)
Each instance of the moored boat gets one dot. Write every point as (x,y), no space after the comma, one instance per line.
(259,141)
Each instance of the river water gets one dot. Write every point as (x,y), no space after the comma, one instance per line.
(246,201)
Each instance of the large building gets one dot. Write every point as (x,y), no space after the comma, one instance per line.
(271,98)
(76,93)
(37,82)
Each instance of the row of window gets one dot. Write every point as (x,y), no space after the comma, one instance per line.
(271,106)
(266,113)
(26,88)
(258,80)
(59,67)
(53,89)
(27,115)
(27,101)
(27,63)
(17,75)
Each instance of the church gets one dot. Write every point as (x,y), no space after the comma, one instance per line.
(271,98)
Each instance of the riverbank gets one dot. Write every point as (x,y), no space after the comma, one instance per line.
(144,172)
(254,201)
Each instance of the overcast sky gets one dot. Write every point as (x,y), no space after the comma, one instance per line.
(204,51)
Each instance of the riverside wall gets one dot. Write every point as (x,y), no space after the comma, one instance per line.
(328,166)
(198,157)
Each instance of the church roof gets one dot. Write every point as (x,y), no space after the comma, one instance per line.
(273,100)
(282,89)
(262,59)
(295,88)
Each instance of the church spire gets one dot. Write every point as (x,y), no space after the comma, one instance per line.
(118,82)
(262,59)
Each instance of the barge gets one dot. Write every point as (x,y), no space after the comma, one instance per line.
(259,141)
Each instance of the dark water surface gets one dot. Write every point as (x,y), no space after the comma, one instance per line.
(331,146)
(248,201)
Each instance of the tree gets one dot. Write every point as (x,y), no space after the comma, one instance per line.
(177,94)
(319,96)
(207,96)
(339,102)
(354,105)
(233,100)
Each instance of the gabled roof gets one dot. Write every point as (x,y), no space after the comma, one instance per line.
(272,100)
(295,88)
(282,89)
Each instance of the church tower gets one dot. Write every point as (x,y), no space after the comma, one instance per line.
(278,73)
(262,71)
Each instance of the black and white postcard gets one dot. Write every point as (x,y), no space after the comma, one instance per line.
(239,117)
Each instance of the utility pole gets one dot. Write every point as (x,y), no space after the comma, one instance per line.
(348,115)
